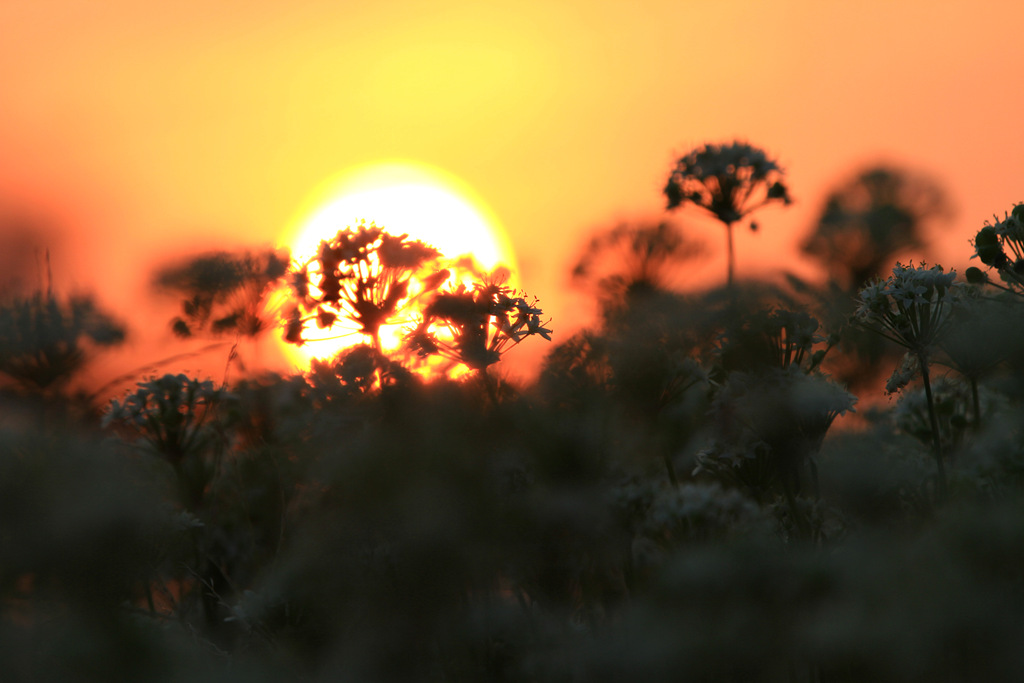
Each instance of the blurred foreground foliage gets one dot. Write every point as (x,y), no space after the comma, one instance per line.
(669,500)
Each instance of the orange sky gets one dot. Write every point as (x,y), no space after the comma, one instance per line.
(145,129)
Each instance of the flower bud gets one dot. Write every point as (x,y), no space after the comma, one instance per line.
(975,276)
(986,244)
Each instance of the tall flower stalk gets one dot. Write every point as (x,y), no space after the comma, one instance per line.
(729,182)
(912,308)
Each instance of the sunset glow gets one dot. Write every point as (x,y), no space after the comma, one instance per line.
(530,341)
(403,198)
(164,130)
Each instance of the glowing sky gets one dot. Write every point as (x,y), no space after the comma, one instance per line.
(144,129)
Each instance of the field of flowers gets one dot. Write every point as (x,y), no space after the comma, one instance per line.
(671,500)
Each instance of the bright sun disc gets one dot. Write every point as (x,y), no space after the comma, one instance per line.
(404,197)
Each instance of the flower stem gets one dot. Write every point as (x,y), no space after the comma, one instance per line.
(976,403)
(936,442)
(671,469)
(728,234)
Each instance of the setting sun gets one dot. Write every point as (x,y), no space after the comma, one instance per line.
(402,198)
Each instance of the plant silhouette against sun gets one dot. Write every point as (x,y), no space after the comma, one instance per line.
(475,327)
(729,182)
(362,275)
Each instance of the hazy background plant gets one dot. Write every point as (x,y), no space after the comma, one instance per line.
(871,219)
(224,292)
(631,260)
(46,341)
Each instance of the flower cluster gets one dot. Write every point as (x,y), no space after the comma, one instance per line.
(475,327)
(904,374)
(168,412)
(700,511)
(44,341)
(363,275)
(729,181)
(224,292)
(777,339)
(911,307)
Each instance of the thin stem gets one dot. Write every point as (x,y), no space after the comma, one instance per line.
(976,403)
(728,233)
(935,425)
(671,469)
(490,384)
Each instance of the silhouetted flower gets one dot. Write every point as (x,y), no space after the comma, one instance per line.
(44,341)
(225,292)
(168,412)
(363,275)
(729,182)
(475,327)
(775,339)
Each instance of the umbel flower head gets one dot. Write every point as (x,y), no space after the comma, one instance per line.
(729,181)
(363,275)
(44,341)
(224,292)
(168,412)
(911,308)
(475,327)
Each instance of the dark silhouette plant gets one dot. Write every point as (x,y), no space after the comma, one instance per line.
(360,522)
(632,260)
(771,410)
(224,292)
(729,182)
(474,328)
(982,334)
(364,276)
(46,341)
(174,416)
(871,219)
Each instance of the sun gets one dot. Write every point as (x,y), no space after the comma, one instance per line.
(404,198)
